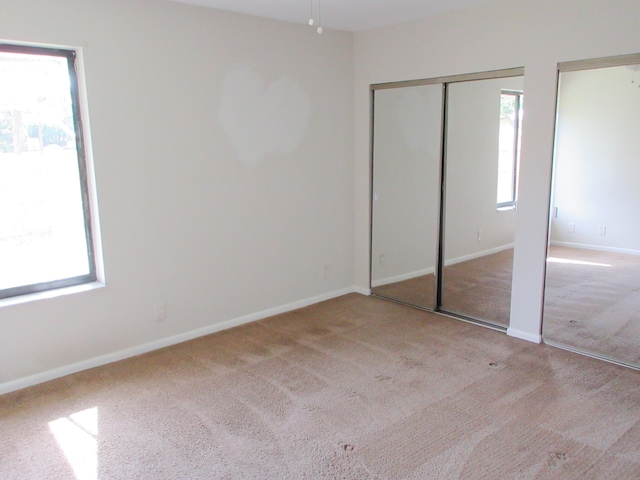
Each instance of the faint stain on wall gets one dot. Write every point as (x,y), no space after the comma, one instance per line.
(261,119)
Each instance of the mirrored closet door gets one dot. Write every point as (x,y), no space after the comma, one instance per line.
(444,192)
(481,166)
(407,134)
(592,292)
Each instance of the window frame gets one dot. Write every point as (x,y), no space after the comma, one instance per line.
(71,56)
(510,204)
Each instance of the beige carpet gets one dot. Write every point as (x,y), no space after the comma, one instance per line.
(478,288)
(352,388)
(419,291)
(592,302)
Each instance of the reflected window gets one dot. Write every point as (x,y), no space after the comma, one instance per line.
(509,148)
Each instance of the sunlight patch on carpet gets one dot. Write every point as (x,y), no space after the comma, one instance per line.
(77,436)
(577,262)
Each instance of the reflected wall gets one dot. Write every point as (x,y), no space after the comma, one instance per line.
(405,202)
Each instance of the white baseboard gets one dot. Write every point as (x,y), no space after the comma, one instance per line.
(475,255)
(430,270)
(598,248)
(362,290)
(522,335)
(166,342)
(402,277)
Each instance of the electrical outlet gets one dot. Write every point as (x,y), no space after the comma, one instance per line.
(160,310)
(479,235)
(383,260)
(602,230)
(325,271)
(571,228)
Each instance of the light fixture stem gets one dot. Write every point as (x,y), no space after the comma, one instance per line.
(312,21)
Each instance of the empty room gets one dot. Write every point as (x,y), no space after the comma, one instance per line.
(319,239)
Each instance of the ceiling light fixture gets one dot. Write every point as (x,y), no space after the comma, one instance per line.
(634,69)
(311,19)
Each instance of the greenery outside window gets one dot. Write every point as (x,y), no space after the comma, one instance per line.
(509,148)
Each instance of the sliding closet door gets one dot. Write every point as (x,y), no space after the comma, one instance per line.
(443,214)
(480,197)
(407,131)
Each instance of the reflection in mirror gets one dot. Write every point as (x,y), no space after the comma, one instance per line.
(592,293)
(481,165)
(406,185)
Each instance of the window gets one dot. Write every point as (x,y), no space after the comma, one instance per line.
(509,148)
(46,241)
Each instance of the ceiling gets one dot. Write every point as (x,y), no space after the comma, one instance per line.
(348,15)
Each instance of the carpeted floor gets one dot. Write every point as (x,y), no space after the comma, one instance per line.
(352,388)
(419,291)
(592,302)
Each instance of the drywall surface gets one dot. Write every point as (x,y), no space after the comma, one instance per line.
(223,149)
(596,160)
(534,34)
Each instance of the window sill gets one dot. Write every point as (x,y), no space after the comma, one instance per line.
(58,292)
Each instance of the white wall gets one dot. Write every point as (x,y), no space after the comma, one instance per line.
(596,164)
(223,150)
(536,34)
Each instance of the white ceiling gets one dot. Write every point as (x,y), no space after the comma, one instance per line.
(349,15)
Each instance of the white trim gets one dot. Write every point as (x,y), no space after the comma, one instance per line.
(362,290)
(55,292)
(92,189)
(598,248)
(402,277)
(475,255)
(522,335)
(430,270)
(165,342)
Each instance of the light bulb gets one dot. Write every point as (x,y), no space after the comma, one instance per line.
(319,30)
(311,21)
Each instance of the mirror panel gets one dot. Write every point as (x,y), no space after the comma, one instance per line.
(407,131)
(482,154)
(592,292)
